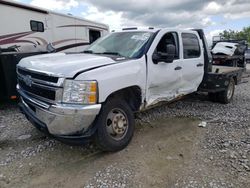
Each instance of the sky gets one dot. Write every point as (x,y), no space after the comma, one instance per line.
(213,16)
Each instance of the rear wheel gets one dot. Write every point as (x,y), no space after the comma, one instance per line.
(226,96)
(115,125)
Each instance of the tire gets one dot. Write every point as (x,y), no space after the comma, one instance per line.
(226,96)
(115,125)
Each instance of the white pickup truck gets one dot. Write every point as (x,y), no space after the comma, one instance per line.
(94,94)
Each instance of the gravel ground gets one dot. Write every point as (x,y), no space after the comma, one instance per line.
(217,155)
(226,144)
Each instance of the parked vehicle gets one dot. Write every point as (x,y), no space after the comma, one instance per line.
(229,52)
(27,30)
(75,97)
(247,55)
(225,48)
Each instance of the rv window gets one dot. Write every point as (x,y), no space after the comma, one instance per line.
(36,26)
(94,35)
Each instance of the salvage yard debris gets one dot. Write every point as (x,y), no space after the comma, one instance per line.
(202,124)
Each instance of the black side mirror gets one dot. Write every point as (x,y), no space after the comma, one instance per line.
(165,57)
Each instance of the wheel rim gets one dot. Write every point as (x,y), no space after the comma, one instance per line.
(117,124)
(230,90)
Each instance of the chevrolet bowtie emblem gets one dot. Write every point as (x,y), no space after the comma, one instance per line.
(27,80)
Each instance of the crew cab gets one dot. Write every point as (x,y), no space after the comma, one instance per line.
(94,94)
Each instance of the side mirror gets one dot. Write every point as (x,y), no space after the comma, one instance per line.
(165,57)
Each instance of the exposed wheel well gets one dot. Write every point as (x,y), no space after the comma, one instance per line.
(132,95)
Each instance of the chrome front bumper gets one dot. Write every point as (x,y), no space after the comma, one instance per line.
(60,119)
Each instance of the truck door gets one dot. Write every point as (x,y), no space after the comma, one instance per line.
(163,78)
(192,64)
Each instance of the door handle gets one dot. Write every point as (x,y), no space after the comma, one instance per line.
(200,65)
(178,68)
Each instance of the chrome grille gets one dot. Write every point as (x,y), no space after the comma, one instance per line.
(39,85)
(39,91)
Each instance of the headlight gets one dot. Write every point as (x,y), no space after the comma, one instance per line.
(80,92)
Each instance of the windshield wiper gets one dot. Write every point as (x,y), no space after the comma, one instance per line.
(107,53)
(88,51)
(112,53)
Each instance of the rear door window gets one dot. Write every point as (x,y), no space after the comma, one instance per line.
(191,46)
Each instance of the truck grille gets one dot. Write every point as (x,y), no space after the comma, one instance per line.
(39,85)
(36,90)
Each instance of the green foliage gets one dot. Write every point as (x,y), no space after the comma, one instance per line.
(231,34)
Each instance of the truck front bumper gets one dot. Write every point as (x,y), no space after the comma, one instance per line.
(65,122)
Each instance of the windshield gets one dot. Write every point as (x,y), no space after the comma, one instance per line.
(125,44)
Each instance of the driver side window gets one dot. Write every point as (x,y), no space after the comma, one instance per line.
(168,38)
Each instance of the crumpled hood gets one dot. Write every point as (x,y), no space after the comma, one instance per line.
(226,48)
(64,65)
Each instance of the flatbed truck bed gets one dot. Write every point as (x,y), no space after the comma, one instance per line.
(218,78)
(225,69)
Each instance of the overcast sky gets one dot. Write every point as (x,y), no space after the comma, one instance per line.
(213,16)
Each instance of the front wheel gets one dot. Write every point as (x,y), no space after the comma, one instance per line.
(115,125)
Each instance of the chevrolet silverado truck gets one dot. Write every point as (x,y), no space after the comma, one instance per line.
(94,94)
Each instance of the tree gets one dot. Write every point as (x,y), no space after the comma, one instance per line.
(235,35)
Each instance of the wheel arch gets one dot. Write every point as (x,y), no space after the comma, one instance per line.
(132,95)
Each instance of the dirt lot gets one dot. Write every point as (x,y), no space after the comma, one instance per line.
(168,149)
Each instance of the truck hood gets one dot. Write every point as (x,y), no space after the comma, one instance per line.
(64,65)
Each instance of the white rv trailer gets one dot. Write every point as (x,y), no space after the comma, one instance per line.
(31,29)
(28,30)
